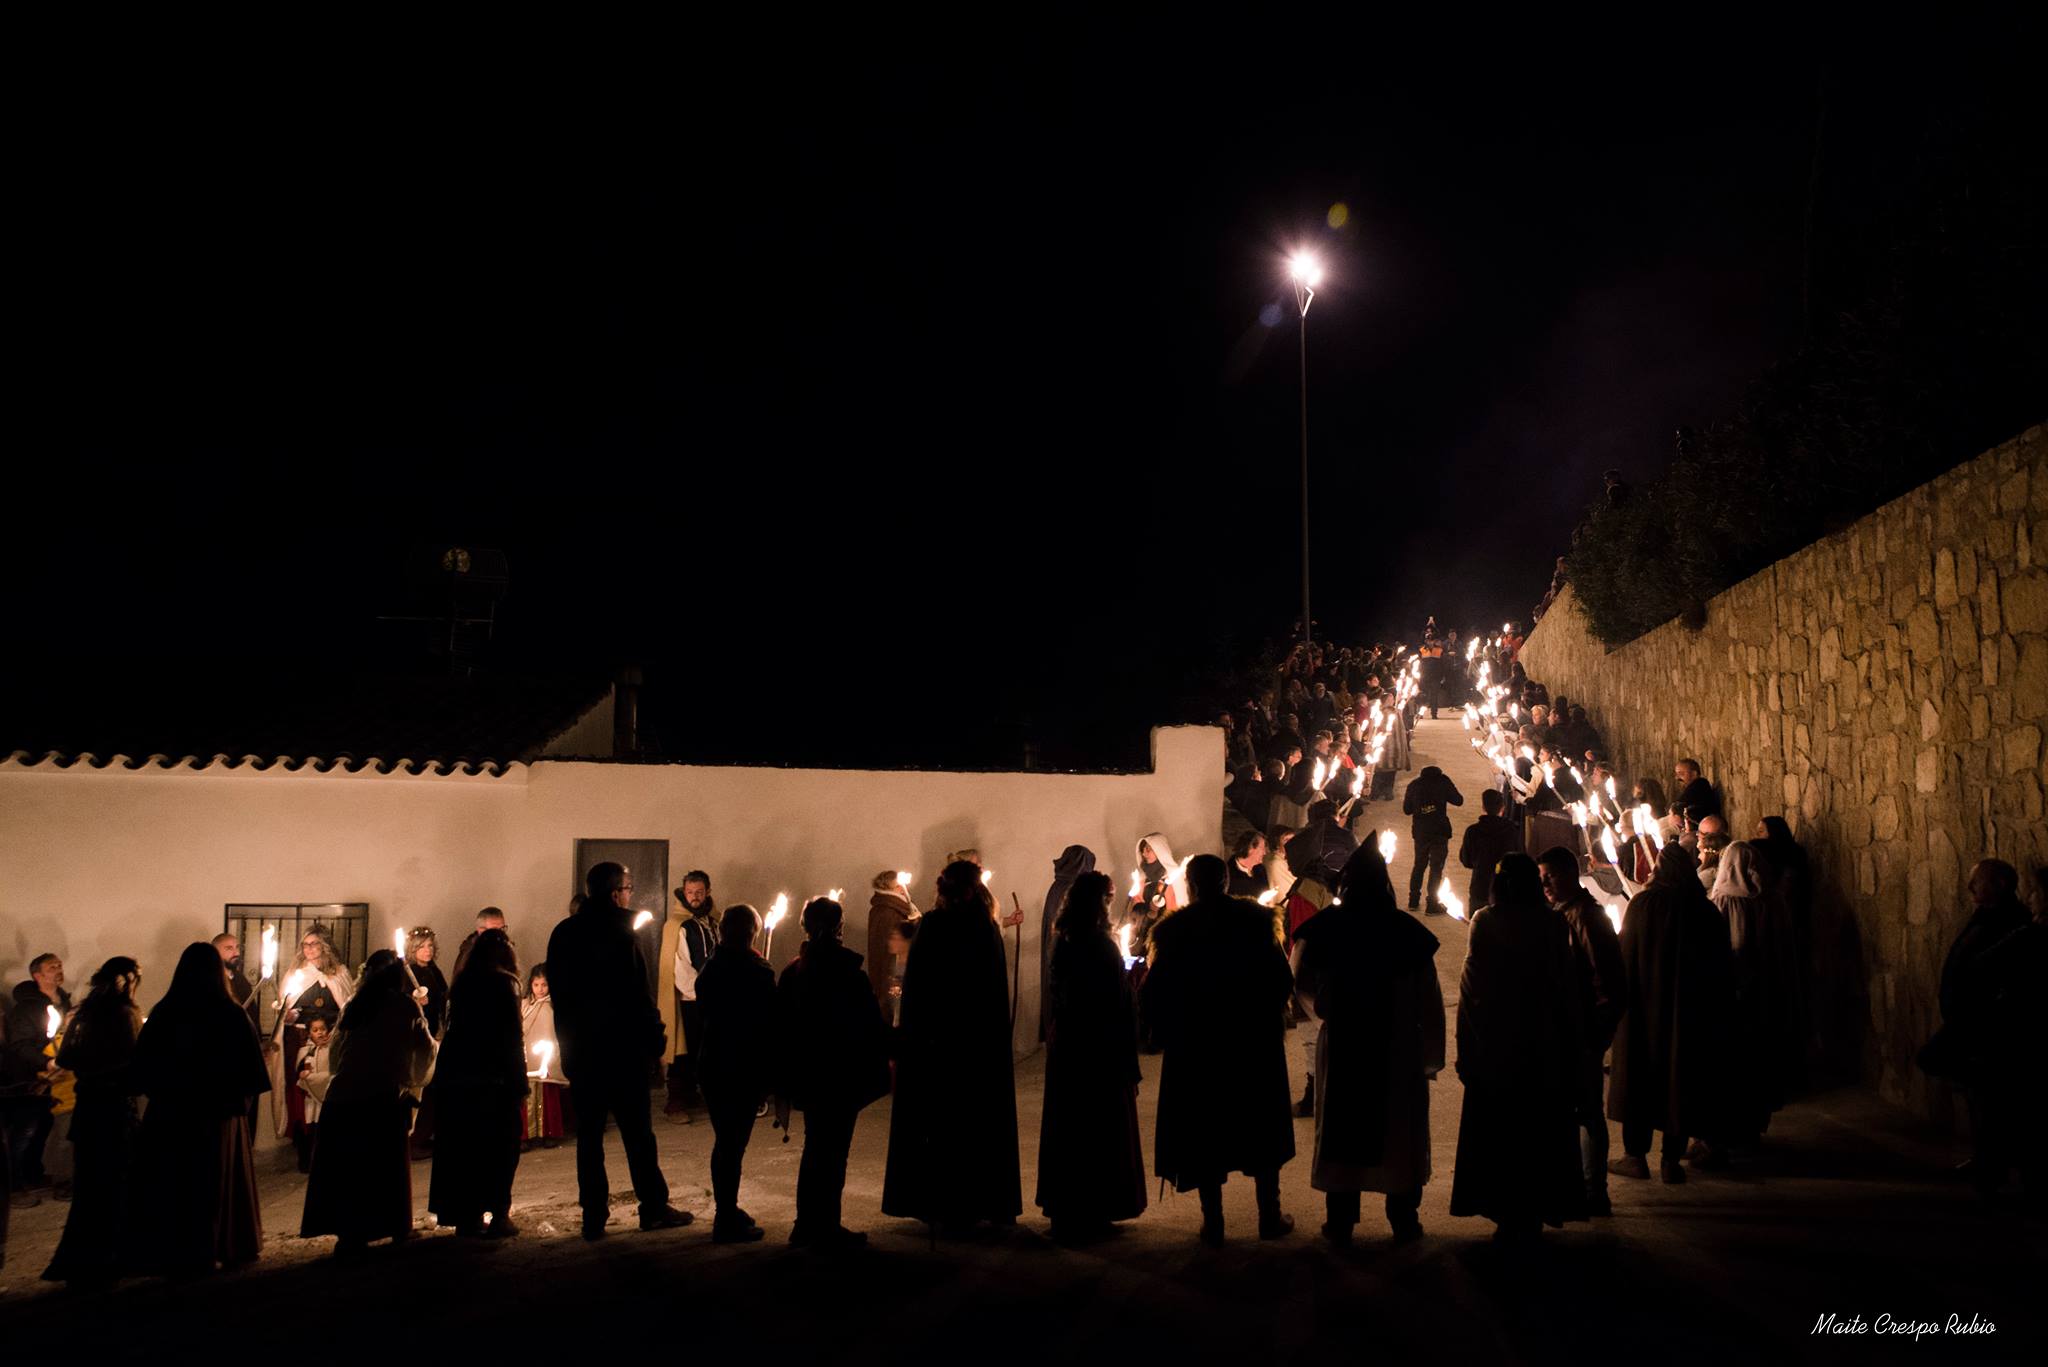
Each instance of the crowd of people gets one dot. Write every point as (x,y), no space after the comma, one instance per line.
(1639,966)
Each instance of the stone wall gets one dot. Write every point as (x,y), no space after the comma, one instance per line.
(1885,689)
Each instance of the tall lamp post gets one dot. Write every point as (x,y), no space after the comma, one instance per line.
(1306,272)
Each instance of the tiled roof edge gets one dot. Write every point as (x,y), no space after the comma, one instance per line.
(468,765)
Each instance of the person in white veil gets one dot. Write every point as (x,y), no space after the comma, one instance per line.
(1160,889)
(1769,1039)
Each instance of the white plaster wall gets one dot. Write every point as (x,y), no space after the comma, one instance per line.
(95,863)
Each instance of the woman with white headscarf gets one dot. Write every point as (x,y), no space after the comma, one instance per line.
(1769,1039)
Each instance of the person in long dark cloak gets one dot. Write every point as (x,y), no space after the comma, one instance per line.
(1970,1050)
(1671,1049)
(1074,861)
(1091,1161)
(953,1130)
(1603,996)
(383,1055)
(1366,973)
(1519,1036)
(735,1049)
(1217,997)
(1788,883)
(480,1079)
(198,1061)
(1769,1009)
(831,1060)
(99,1050)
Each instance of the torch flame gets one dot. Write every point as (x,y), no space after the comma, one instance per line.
(1450,900)
(269,953)
(1268,897)
(1137,884)
(1387,846)
(903,879)
(546,1050)
(837,894)
(398,941)
(986,877)
(1123,939)
(52,1019)
(1607,844)
(1614,911)
(1610,789)
(777,911)
(1471,649)
(1321,772)
(640,921)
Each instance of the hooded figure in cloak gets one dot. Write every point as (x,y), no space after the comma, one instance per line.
(99,1050)
(1520,1031)
(1770,1010)
(480,1074)
(953,1132)
(381,1060)
(1670,1051)
(1216,998)
(1366,974)
(1074,861)
(1091,1162)
(198,1062)
(1161,890)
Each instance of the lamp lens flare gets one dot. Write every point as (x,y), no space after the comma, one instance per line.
(1305,269)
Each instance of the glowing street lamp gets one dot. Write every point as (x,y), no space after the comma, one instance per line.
(1306,272)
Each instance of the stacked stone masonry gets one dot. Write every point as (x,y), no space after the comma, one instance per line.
(1886,690)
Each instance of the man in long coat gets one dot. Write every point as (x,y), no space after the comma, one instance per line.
(1367,974)
(1671,1050)
(1519,1036)
(1216,996)
(605,1018)
(953,1129)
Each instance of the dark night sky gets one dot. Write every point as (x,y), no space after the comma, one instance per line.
(938,385)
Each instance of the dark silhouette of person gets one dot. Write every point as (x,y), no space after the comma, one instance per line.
(1368,974)
(99,1050)
(734,1047)
(953,1130)
(361,1184)
(480,1077)
(1428,802)
(198,1062)
(831,1060)
(1091,1160)
(1520,1033)
(1074,861)
(1216,996)
(606,1021)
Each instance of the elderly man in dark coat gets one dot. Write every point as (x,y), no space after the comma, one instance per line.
(1671,1050)
(1520,1030)
(610,1033)
(953,1130)
(1367,974)
(1216,996)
